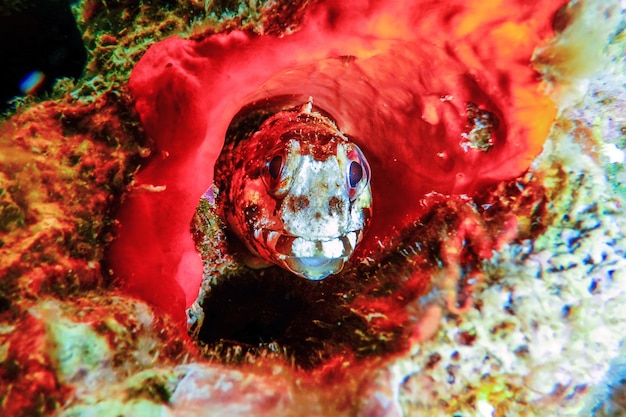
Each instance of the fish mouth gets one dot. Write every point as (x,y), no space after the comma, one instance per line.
(314,269)
(313,259)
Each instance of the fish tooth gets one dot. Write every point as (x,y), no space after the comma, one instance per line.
(272,239)
(303,248)
(359,236)
(333,249)
(352,238)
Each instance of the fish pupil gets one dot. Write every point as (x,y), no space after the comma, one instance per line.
(355,173)
(275,166)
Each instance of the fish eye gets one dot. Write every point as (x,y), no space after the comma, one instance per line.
(355,173)
(281,166)
(275,166)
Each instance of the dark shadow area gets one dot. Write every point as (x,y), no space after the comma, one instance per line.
(41,36)
(307,322)
(251,310)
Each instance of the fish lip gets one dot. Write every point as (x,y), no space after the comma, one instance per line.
(315,267)
(304,269)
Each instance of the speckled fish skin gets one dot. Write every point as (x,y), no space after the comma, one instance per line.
(297,192)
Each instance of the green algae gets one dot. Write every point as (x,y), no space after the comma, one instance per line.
(156,385)
(117,33)
(117,407)
(76,348)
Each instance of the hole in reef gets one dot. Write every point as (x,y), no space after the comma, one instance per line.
(273,311)
(252,311)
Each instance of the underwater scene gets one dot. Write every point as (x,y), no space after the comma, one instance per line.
(313,208)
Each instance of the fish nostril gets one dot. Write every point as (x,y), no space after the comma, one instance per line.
(317,215)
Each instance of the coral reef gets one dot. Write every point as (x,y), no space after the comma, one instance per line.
(536,264)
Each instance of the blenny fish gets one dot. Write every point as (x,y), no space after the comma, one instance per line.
(296,192)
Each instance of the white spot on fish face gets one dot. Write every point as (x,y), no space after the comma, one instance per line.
(321,182)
